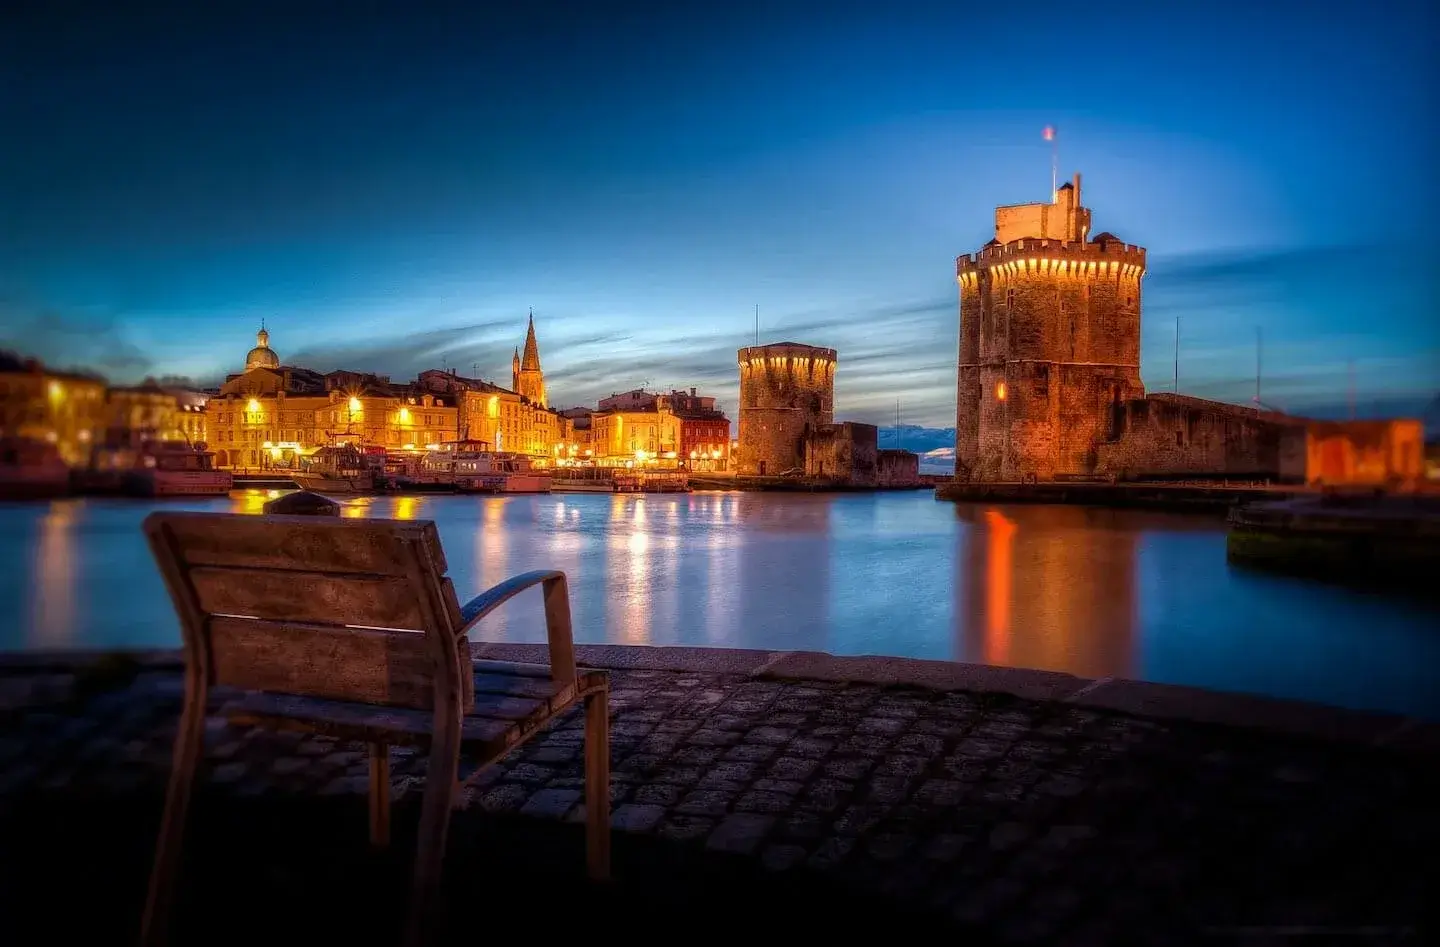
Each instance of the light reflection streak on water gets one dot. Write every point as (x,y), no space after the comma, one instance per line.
(1000,533)
(492,564)
(53,618)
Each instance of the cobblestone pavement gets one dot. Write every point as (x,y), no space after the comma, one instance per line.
(1038,821)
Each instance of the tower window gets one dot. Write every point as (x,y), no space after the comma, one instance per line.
(1009,299)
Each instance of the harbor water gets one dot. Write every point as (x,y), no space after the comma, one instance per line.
(1088,591)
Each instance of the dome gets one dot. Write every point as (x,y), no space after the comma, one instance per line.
(262,355)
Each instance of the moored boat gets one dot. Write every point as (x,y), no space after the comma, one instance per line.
(473,469)
(176,469)
(584,480)
(340,469)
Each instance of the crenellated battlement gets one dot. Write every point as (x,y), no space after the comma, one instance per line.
(1054,258)
(787,356)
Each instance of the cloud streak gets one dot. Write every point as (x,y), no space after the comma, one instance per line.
(76,340)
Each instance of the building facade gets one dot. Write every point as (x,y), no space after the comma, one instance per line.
(674,429)
(268,415)
(1049,342)
(635,433)
(787,392)
(66,409)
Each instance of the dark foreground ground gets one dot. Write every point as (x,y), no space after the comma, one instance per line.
(744,807)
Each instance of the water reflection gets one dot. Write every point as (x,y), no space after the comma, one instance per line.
(783,593)
(52,619)
(1096,593)
(1047,587)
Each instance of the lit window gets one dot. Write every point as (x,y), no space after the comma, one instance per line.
(1000,392)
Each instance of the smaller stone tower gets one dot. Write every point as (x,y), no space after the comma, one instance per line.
(528,380)
(787,391)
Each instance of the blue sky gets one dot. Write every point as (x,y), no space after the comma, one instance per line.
(391,193)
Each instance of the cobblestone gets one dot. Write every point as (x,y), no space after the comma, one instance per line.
(1040,822)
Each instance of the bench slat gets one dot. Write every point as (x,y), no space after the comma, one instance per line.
(374,601)
(392,668)
(482,734)
(300,543)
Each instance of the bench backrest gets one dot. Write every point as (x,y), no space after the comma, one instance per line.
(348,609)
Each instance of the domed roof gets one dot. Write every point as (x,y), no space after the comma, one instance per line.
(262,355)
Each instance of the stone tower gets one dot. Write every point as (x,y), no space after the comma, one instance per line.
(787,390)
(1049,342)
(526,377)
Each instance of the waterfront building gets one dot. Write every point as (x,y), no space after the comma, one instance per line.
(516,419)
(190,418)
(270,414)
(675,429)
(578,422)
(143,412)
(704,431)
(66,409)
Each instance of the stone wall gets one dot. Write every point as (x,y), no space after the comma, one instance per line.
(897,468)
(846,453)
(787,391)
(1168,436)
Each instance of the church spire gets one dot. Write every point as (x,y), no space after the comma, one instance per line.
(530,361)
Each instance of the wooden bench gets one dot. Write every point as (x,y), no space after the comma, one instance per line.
(350,628)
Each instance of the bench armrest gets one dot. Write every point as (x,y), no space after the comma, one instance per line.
(557,615)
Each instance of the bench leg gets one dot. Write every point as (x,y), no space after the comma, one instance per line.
(379,795)
(440,785)
(189,747)
(597,784)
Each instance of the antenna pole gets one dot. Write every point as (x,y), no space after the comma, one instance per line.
(1177,355)
(757,325)
(897,423)
(1054,164)
(1257,367)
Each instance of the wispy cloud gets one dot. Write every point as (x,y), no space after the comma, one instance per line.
(406,355)
(94,341)
(886,351)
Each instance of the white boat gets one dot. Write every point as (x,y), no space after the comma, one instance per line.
(31,470)
(584,480)
(473,469)
(176,469)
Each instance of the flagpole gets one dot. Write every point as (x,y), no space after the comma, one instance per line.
(1054,140)
(1054,165)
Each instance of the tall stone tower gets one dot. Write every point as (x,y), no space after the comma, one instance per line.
(1049,342)
(787,390)
(526,377)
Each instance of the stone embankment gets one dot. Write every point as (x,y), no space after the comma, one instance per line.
(1174,497)
(755,792)
(796,485)
(1387,541)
